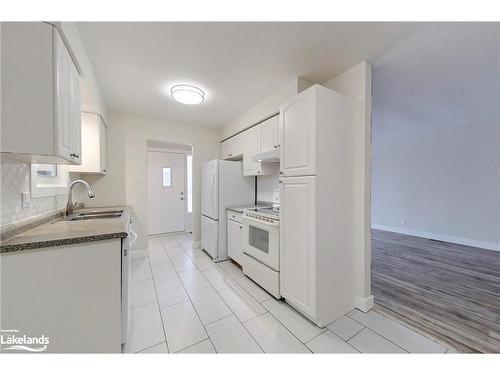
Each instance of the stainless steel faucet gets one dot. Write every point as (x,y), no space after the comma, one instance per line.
(69,205)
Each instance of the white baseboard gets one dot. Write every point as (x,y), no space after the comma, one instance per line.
(196,244)
(439,237)
(139,253)
(364,304)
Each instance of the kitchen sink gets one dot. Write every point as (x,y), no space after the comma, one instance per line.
(108,212)
(94,216)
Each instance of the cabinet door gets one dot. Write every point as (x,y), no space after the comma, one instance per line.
(75,114)
(234,249)
(232,148)
(67,92)
(252,146)
(102,145)
(297,122)
(298,243)
(269,134)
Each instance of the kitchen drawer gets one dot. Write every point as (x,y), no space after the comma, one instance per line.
(236,216)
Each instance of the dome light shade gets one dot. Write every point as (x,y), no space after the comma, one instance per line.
(187,94)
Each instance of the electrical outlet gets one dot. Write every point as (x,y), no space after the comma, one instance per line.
(26,199)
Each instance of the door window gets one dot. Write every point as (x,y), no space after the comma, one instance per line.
(258,238)
(167,177)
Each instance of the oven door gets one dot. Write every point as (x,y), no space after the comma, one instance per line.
(261,242)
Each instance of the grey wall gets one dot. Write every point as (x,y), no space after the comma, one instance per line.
(436,135)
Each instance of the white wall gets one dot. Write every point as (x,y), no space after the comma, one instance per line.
(356,83)
(440,182)
(268,106)
(126,181)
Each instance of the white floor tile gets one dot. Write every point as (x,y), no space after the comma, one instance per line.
(175,251)
(229,336)
(255,290)
(142,293)
(155,245)
(182,262)
(409,340)
(231,269)
(327,342)
(209,305)
(345,327)
(204,347)
(219,279)
(169,241)
(300,326)
(368,341)
(170,292)
(163,270)
(193,280)
(140,269)
(202,261)
(182,326)
(243,305)
(272,336)
(146,329)
(157,349)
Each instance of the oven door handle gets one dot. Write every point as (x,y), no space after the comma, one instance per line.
(273,224)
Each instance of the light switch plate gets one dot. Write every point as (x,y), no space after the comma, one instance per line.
(26,199)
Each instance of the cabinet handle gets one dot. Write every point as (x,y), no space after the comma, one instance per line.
(275,146)
(73,155)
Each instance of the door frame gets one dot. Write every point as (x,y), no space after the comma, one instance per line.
(173,151)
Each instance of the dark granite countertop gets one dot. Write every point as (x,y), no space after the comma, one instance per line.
(60,232)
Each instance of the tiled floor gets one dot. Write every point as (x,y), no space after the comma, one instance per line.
(183,302)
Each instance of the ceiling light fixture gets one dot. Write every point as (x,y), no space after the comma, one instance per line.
(187,94)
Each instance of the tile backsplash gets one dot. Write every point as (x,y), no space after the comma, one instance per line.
(15,179)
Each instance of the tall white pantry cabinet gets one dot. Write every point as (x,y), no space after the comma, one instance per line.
(317,244)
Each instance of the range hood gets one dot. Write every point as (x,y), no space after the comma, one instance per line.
(272,156)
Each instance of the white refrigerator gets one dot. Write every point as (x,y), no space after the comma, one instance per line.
(222,185)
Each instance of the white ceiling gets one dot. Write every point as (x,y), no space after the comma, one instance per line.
(237,64)
(445,74)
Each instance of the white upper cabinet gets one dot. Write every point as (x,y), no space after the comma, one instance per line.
(259,138)
(251,139)
(269,134)
(93,145)
(297,131)
(40,89)
(232,148)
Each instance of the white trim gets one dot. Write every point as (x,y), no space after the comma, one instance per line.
(364,304)
(139,253)
(439,237)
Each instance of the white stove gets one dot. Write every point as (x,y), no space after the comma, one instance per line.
(261,247)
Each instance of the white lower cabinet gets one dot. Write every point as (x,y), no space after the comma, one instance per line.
(298,243)
(234,240)
(72,294)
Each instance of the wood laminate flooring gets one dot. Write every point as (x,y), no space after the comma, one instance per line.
(448,291)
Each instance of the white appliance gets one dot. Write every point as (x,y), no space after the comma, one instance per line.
(261,247)
(126,281)
(222,185)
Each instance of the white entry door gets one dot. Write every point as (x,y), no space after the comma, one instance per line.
(166,192)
